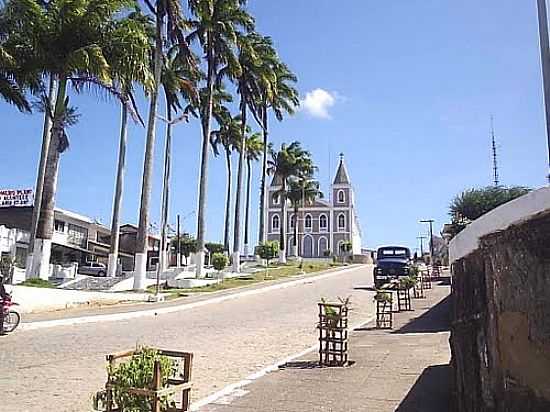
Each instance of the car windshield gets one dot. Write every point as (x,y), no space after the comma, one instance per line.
(393,252)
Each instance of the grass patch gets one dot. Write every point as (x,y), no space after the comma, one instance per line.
(275,272)
(38,283)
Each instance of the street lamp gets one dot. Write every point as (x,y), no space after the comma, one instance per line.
(431,222)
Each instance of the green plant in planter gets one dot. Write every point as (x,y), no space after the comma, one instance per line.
(407,282)
(384,297)
(219,261)
(138,373)
(333,317)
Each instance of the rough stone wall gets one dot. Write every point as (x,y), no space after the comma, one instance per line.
(500,338)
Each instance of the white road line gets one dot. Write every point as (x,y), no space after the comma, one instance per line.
(237,386)
(171,309)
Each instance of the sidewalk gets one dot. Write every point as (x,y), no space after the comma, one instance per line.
(405,369)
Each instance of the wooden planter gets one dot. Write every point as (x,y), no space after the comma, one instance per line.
(333,334)
(403,299)
(384,313)
(156,391)
(418,290)
(427,279)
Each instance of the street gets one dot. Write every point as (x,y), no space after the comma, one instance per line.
(60,368)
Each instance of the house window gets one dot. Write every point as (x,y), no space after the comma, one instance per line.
(341,222)
(59,226)
(275,223)
(341,197)
(308,222)
(323,222)
(77,235)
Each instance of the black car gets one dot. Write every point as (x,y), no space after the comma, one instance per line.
(391,263)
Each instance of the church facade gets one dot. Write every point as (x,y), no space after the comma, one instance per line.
(323,226)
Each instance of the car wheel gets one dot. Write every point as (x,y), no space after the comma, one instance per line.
(101,274)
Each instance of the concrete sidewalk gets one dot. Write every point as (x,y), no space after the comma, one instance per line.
(405,369)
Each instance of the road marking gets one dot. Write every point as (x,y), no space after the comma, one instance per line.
(186,306)
(235,390)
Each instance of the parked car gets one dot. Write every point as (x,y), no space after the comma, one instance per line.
(93,269)
(391,263)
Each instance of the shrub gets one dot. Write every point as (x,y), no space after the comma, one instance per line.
(219,261)
(138,373)
(37,283)
(268,250)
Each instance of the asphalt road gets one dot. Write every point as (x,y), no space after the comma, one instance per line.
(59,368)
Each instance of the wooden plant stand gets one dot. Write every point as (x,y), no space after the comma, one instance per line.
(403,299)
(384,314)
(418,290)
(427,280)
(333,334)
(156,391)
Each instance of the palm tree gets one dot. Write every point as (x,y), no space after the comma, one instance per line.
(280,97)
(129,59)
(178,81)
(169,21)
(68,41)
(11,89)
(290,161)
(216,25)
(302,190)
(254,149)
(228,136)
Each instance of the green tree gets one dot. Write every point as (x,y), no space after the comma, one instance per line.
(188,245)
(267,251)
(474,203)
(289,162)
(254,149)
(66,40)
(302,190)
(215,23)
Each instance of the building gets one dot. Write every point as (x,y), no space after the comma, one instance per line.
(323,226)
(76,238)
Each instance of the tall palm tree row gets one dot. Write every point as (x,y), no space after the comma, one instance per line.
(290,161)
(216,24)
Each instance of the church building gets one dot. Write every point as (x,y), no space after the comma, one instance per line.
(323,225)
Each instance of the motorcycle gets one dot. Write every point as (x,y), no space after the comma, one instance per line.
(11,316)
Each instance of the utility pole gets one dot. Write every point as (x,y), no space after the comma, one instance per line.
(431,222)
(495,162)
(178,245)
(545,61)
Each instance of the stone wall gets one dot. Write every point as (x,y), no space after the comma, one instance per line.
(500,337)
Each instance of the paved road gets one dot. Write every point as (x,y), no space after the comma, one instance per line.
(60,368)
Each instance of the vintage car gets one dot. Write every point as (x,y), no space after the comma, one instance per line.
(391,263)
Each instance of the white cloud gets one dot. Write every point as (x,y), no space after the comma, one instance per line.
(318,102)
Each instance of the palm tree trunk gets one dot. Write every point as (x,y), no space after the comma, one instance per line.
(146,185)
(119,189)
(44,230)
(237,224)
(263,196)
(227,223)
(296,223)
(282,229)
(165,196)
(203,178)
(46,138)
(247,207)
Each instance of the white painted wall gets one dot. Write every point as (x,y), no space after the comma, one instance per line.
(513,212)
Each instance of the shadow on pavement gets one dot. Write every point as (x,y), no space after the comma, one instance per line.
(437,319)
(431,391)
(301,365)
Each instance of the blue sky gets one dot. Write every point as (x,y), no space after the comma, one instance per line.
(404,89)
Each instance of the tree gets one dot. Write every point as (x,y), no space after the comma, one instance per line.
(228,136)
(128,58)
(188,245)
(254,149)
(302,189)
(216,23)
(169,20)
(279,96)
(290,161)
(66,40)
(219,262)
(13,82)
(474,203)
(267,251)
